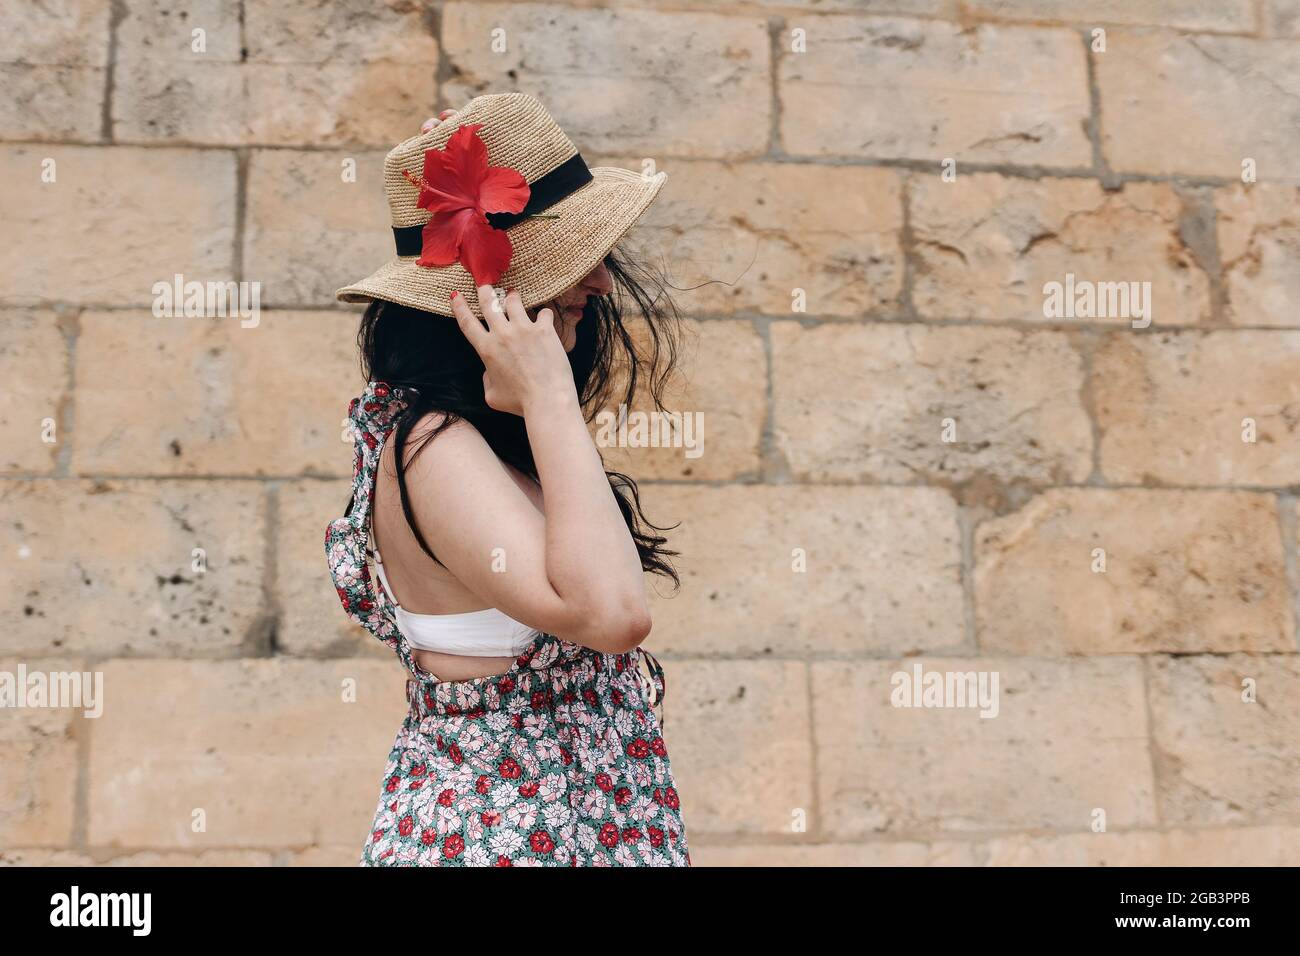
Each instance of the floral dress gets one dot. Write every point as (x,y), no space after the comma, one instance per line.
(558,762)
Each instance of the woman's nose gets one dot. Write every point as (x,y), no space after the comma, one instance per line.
(599,281)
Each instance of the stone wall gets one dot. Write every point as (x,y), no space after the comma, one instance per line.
(906,463)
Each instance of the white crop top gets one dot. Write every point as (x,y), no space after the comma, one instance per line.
(486,633)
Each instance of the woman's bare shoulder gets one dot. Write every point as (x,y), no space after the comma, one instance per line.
(439,449)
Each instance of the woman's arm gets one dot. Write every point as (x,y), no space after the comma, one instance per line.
(589,550)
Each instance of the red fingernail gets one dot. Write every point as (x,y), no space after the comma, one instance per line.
(454,294)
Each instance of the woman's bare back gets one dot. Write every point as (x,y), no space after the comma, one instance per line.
(420,585)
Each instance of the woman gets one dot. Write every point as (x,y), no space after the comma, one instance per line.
(508,564)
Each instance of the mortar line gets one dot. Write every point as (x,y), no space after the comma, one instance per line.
(1028,171)
(775,30)
(817,830)
(773,468)
(1084,343)
(866,482)
(967,522)
(273,613)
(1103,172)
(806,320)
(116,14)
(70,329)
(907,246)
(1153,746)
(1287,527)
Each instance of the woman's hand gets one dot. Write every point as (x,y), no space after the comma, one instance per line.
(524,359)
(431,122)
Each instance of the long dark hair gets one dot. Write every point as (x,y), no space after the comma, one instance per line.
(429,356)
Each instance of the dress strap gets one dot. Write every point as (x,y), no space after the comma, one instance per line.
(371,417)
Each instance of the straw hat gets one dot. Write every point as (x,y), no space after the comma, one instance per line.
(592,209)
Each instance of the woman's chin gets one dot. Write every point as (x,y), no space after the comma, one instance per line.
(568,333)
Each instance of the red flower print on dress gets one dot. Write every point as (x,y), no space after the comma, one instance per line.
(453,846)
(638,748)
(459,188)
(608,835)
(406,826)
(509,769)
(541,842)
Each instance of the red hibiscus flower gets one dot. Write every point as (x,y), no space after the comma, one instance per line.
(541,842)
(608,835)
(460,189)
